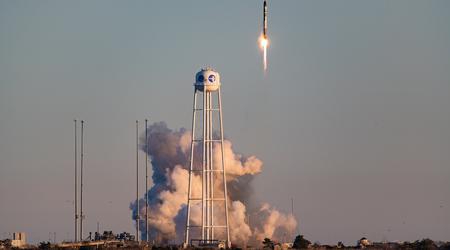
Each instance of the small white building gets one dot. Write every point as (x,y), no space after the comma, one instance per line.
(19,239)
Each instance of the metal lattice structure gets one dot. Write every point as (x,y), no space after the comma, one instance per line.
(213,227)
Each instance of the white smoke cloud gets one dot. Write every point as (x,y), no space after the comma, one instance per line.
(169,152)
(241,232)
(185,142)
(236,165)
(161,216)
(273,223)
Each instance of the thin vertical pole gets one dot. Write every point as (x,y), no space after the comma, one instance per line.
(224,172)
(146,182)
(76,181)
(138,215)
(191,165)
(292,214)
(81,184)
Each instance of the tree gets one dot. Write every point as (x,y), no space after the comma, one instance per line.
(45,245)
(300,242)
(268,243)
(426,244)
(6,243)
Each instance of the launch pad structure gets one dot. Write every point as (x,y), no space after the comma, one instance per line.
(213,228)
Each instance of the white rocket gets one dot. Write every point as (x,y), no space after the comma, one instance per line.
(265,19)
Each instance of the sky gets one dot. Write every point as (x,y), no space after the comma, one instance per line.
(351,119)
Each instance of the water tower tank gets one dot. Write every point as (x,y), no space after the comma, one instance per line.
(207,79)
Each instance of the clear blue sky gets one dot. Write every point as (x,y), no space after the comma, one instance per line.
(352,119)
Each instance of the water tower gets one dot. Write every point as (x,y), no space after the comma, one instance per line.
(207,206)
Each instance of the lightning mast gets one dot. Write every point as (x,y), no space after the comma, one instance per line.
(76,180)
(146,181)
(137,182)
(81,183)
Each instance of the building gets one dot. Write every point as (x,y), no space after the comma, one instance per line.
(19,239)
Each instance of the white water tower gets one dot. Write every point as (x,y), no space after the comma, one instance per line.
(211,200)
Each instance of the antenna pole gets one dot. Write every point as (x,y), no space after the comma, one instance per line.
(76,173)
(137,181)
(292,214)
(81,183)
(146,182)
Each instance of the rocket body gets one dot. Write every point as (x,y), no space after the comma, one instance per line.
(265,19)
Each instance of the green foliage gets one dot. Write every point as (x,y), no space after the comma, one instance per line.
(300,242)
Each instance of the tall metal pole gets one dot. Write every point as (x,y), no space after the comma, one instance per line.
(81,182)
(292,214)
(138,215)
(76,196)
(146,182)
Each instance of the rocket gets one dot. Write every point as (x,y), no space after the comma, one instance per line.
(265,19)
(263,39)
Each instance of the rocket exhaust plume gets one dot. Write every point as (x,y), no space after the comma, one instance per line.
(263,39)
(169,152)
(264,43)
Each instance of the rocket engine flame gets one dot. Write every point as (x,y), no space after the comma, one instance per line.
(264,42)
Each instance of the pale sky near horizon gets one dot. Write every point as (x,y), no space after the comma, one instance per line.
(352,119)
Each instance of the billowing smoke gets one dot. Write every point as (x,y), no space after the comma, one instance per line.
(169,154)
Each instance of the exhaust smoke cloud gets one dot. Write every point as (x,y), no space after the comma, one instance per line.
(169,153)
